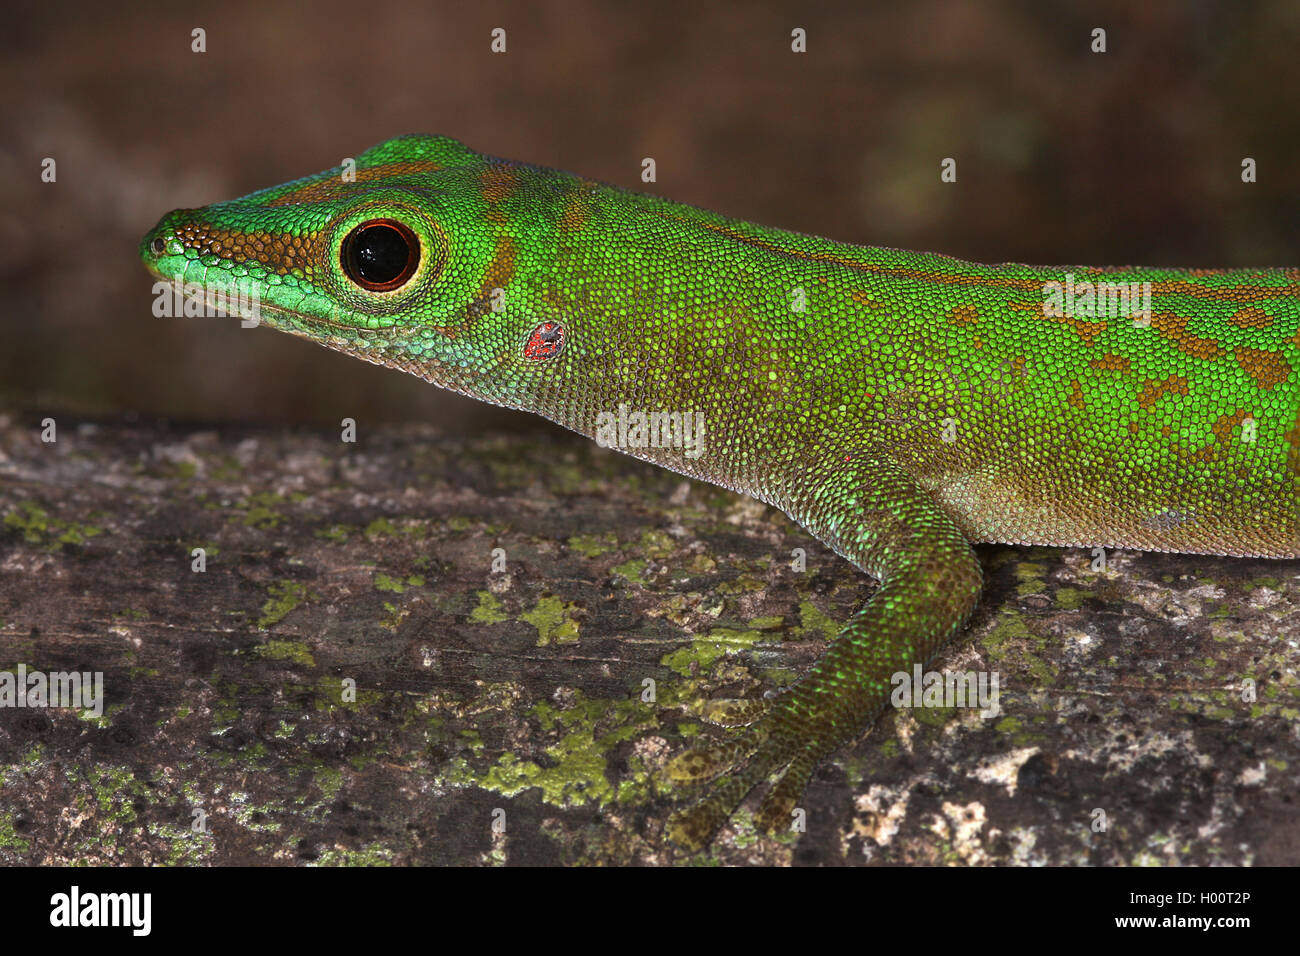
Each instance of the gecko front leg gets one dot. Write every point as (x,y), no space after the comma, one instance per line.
(870,511)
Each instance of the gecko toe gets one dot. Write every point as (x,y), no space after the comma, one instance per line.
(704,763)
(735,713)
(775,812)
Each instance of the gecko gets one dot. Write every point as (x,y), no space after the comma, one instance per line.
(899,406)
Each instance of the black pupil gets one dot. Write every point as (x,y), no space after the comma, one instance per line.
(378,254)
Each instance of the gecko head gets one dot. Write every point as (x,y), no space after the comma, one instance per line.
(408,256)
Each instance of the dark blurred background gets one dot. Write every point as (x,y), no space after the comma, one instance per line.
(1064,156)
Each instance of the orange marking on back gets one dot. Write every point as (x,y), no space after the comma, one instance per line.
(573,214)
(502,267)
(498,183)
(1222,429)
(864,297)
(334,187)
(1085,329)
(961,278)
(1174,328)
(1155,389)
(1110,362)
(1251,317)
(965,315)
(1236,293)
(1227,424)
(1076,395)
(1266,368)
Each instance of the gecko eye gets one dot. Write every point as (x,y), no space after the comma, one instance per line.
(380,255)
(547,340)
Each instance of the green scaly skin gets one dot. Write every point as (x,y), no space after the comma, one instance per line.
(898,405)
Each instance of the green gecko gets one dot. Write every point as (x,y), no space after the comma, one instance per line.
(900,406)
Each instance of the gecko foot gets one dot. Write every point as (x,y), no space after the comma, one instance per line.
(769,749)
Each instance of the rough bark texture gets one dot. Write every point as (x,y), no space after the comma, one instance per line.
(516,695)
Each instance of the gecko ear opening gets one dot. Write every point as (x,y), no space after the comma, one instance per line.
(545,342)
(380,255)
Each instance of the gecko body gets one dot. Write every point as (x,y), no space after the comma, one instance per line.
(900,406)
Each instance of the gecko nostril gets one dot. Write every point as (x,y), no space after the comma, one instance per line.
(158,245)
